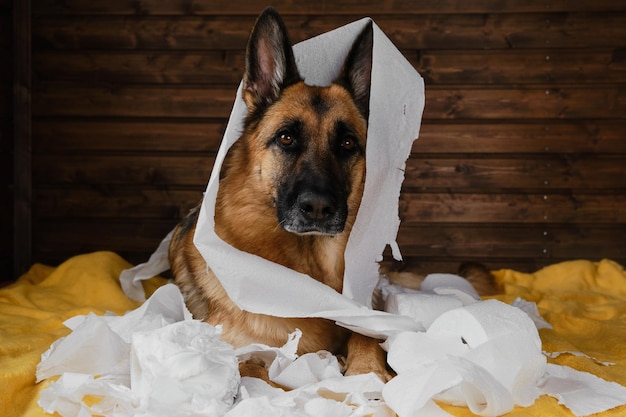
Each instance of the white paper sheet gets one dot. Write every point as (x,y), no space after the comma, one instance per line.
(154,361)
(157,361)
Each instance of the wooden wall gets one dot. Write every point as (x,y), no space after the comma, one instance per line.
(521,160)
(6,141)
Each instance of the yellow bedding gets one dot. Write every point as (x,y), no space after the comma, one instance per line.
(584,301)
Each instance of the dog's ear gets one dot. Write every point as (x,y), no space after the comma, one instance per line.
(356,74)
(270,65)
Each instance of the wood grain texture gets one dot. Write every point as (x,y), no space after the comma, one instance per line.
(543,137)
(290,7)
(458,102)
(521,157)
(438,67)
(430,31)
(6,143)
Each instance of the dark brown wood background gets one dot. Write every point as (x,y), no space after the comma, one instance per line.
(521,160)
(6,141)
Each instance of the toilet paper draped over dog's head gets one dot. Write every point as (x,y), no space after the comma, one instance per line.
(396,106)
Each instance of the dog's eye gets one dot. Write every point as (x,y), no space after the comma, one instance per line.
(285,139)
(348,143)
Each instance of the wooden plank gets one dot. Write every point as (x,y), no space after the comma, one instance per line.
(6,74)
(568,172)
(6,139)
(79,236)
(548,66)
(6,143)
(441,241)
(437,31)
(589,102)
(165,101)
(521,137)
(422,266)
(6,30)
(108,202)
(161,170)
(5,100)
(600,209)
(606,102)
(425,173)
(6,209)
(132,202)
(22,112)
(139,67)
(71,135)
(287,7)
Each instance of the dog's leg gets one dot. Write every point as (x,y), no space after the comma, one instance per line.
(365,355)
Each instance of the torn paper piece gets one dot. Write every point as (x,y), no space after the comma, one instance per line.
(130,279)
(531,309)
(352,396)
(154,361)
(92,348)
(308,369)
(579,354)
(65,396)
(183,368)
(583,393)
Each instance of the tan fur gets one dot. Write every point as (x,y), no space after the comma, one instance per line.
(246,218)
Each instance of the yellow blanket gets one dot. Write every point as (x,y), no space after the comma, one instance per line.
(584,301)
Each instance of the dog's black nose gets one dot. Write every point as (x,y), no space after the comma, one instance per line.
(316,207)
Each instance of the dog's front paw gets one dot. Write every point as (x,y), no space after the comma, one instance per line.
(363,367)
(365,355)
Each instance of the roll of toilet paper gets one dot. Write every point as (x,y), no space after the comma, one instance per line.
(451,284)
(491,351)
(421,307)
(480,322)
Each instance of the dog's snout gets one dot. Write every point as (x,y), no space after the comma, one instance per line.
(316,207)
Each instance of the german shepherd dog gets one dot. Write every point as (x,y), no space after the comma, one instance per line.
(289,192)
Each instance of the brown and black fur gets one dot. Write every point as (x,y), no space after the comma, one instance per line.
(289,192)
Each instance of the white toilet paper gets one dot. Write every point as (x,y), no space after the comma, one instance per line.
(450,284)
(480,322)
(183,368)
(486,355)
(423,308)
(438,293)
(154,361)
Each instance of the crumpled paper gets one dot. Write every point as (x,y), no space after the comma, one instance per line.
(157,361)
(153,361)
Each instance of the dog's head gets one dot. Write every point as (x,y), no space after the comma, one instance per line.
(306,144)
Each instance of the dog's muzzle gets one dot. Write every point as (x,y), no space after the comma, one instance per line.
(313,212)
